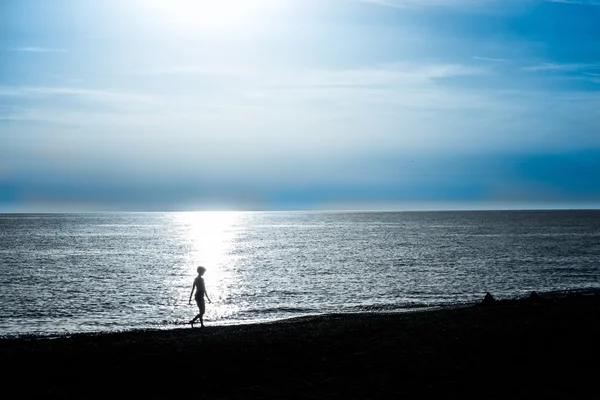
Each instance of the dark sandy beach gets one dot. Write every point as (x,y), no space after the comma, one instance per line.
(541,348)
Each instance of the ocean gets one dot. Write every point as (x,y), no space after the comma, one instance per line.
(97,272)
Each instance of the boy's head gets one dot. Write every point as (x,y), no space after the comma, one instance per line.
(201,270)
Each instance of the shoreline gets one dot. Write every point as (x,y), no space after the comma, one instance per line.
(466,304)
(544,346)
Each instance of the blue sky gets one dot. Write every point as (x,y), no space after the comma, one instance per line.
(289,104)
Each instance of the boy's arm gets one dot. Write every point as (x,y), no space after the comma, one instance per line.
(193,287)
(205,292)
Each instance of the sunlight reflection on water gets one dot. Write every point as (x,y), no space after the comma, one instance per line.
(208,236)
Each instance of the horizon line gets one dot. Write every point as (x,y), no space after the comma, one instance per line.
(307,210)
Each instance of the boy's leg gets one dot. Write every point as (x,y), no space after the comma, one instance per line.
(202,309)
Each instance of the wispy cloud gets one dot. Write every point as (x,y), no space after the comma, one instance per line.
(584,2)
(65,79)
(386,76)
(491,59)
(388,3)
(178,70)
(421,3)
(382,75)
(562,67)
(450,3)
(81,96)
(33,49)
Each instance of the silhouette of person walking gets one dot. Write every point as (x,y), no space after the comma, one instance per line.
(200,293)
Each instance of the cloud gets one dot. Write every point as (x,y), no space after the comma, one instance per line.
(372,75)
(258,117)
(184,70)
(424,3)
(453,3)
(66,106)
(383,76)
(32,49)
(491,59)
(582,2)
(561,67)
(586,72)
(95,95)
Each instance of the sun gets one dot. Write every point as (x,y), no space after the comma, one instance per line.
(209,15)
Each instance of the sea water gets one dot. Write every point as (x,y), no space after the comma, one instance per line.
(95,272)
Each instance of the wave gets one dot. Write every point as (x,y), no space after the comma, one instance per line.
(280,310)
(392,307)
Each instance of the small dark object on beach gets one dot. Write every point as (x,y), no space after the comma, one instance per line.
(488,299)
(534,296)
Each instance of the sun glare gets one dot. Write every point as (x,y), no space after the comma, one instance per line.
(209,234)
(210,14)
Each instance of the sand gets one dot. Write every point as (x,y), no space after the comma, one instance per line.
(544,348)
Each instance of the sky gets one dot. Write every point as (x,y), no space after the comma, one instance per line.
(151,105)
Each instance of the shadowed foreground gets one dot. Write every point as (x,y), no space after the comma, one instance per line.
(541,348)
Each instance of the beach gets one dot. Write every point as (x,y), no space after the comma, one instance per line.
(543,347)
